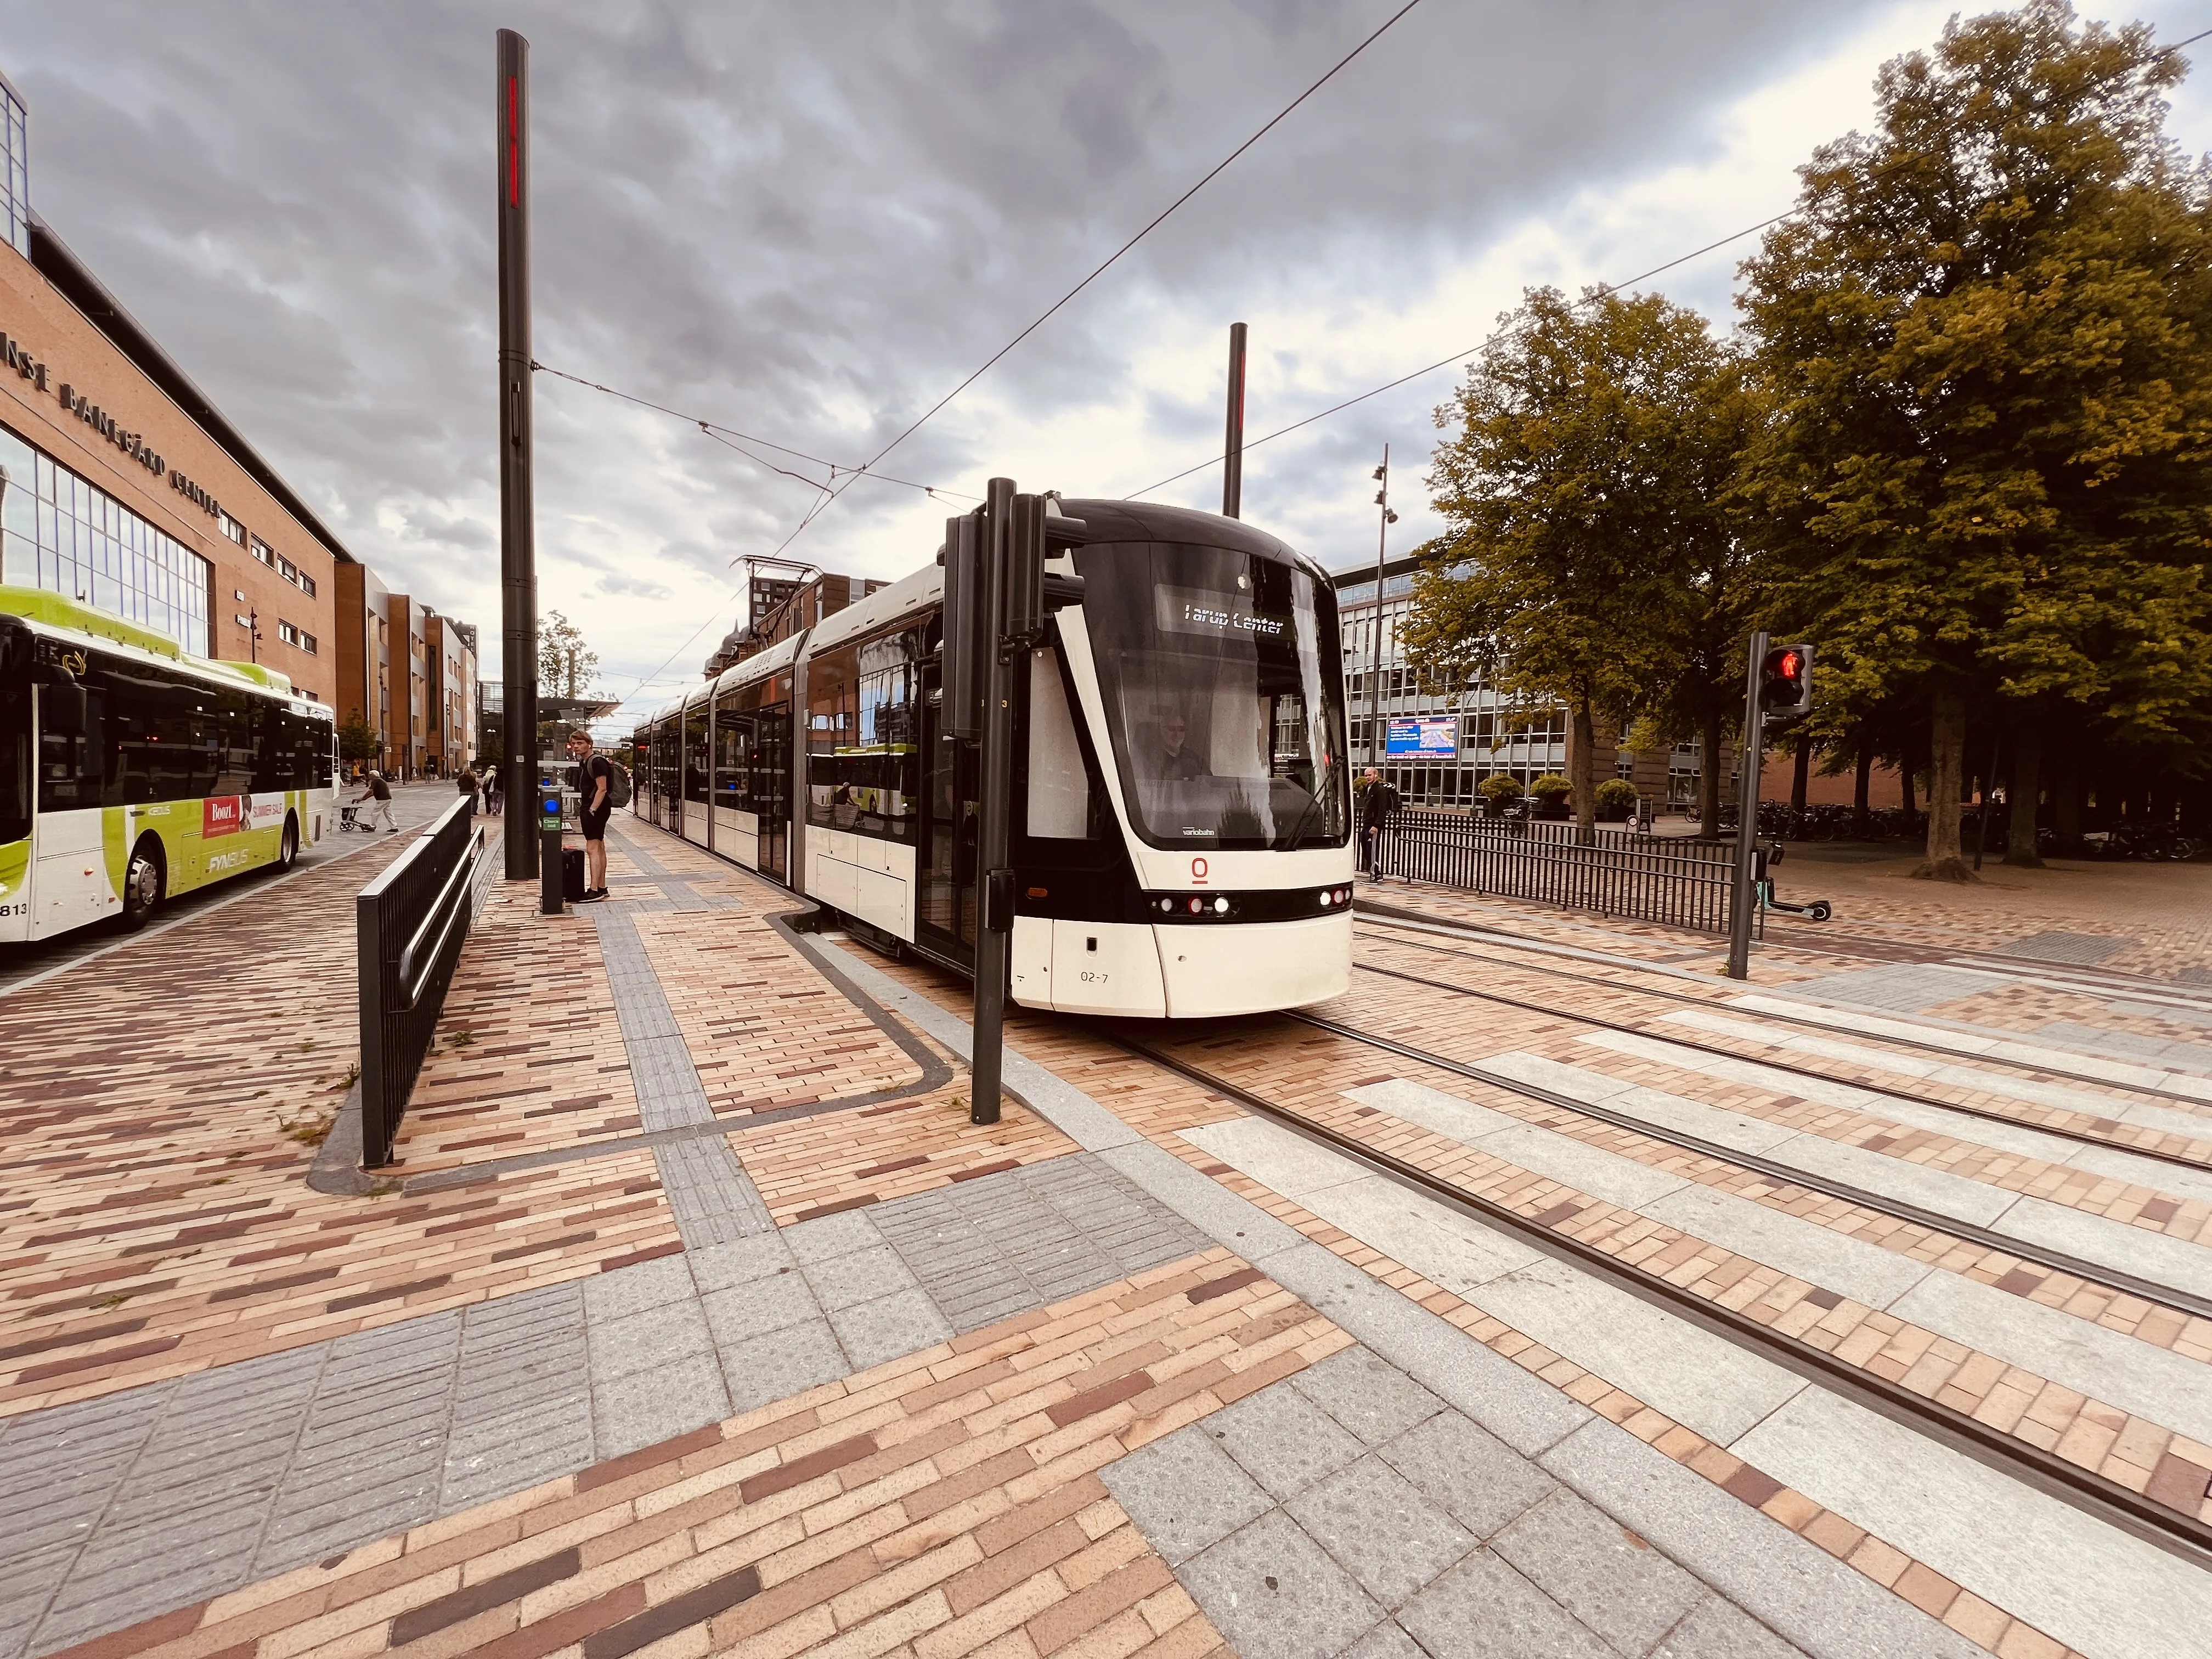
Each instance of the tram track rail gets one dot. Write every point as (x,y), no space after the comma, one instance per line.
(2082,1136)
(1394,916)
(2184,1536)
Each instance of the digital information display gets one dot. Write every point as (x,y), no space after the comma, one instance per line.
(1423,737)
(1187,610)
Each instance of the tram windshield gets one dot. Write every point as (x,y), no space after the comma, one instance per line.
(1224,695)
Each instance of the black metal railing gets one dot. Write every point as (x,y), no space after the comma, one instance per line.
(1681,883)
(409,926)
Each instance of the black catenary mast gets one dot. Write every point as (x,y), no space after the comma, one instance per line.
(517,549)
(1232,448)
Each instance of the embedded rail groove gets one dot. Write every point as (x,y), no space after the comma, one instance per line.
(2081,1136)
(2166,1296)
(1392,916)
(2184,1536)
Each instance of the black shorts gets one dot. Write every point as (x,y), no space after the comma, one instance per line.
(594,823)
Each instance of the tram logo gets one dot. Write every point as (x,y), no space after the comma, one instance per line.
(219,817)
(1198,873)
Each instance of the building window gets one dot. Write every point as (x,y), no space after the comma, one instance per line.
(293,636)
(232,528)
(15,169)
(60,533)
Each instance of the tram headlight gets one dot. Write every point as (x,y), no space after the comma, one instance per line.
(1327,898)
(1166,907)
(1198,906)
(1221,907)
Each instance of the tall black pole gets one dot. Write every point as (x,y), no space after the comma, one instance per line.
(1232,473)
(994,879)
(1374,744)
(1753,756)
(518,545)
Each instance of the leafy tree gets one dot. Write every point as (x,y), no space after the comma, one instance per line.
(566,667)
(357,739)
(1588,561)
(1984,336)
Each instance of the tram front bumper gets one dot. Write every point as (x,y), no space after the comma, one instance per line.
(1210,970)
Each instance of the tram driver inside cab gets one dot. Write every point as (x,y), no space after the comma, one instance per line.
(1173,758)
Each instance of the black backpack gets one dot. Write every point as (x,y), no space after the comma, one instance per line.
(618,784)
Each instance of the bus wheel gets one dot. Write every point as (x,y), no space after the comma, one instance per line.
(143,882)
(288,848)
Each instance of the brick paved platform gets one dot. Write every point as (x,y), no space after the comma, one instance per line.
(692,1316)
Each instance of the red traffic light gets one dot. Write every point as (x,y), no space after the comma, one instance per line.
(1785,683)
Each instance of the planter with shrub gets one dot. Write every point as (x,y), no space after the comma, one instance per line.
(1616,800)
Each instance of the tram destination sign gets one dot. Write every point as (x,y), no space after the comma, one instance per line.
(1191,610)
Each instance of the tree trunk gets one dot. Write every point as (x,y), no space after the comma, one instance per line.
(2066,796)
(2022,796)
(1582,773)
(1947,746)
(1803,776)
(1709,762)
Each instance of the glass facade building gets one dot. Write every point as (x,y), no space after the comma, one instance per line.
(16,168)
(60,533)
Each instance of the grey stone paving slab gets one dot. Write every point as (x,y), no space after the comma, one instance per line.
(1483,1609)
(782,1363)
(1375,1400)
(1787,1583)
(857,1276)
(773,1303)
(1282,1440)
(1720,1629)
(1184,1492)
(1619,1587)
(741,1261)
(1907,987)
(1482,1482)
(905,1322)
(648,1340)
(832,1235)
(2132,1045)
(1275,1594)
(1385,1641)
(1380,1528)
(647,1407)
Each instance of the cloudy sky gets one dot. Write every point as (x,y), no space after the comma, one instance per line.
(809,221)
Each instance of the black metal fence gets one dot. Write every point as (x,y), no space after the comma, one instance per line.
(409,924)
(1670,880)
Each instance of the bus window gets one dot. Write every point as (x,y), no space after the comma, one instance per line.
(150,720)
(71,770)
(15,762)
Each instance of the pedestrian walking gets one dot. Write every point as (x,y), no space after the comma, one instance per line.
(378,793)
(1378,808)
(470,786)
(595,781)
(495,792)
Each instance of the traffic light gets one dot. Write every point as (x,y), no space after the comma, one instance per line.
(1785,685)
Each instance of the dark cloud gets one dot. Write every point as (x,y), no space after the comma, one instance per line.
(809,221)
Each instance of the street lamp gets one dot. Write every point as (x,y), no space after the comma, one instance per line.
(1375,744)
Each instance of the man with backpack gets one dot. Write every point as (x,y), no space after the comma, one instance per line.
(595,803)
(1378,805)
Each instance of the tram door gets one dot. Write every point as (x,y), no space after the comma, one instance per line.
(771,788)
(944,914)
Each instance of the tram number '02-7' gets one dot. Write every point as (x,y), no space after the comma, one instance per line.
(1093,977)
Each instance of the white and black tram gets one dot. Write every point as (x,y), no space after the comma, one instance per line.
(1181,832)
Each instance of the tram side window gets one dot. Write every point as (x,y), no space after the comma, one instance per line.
(695,758)
(887,781)
(1060,805)
(833,726)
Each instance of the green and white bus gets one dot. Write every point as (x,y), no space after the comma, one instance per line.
(131,771)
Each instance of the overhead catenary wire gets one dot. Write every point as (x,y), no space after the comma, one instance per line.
(866,469)
(1592,297)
